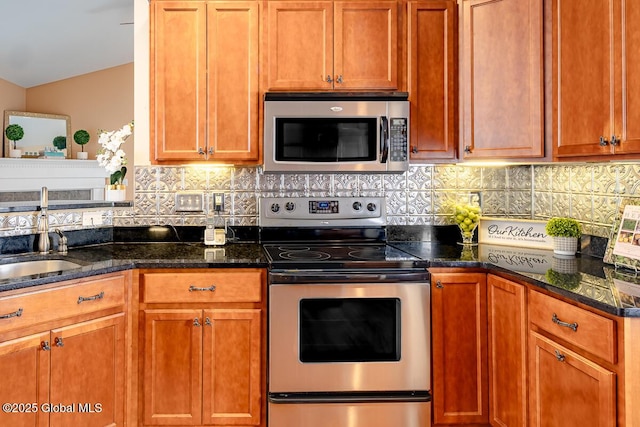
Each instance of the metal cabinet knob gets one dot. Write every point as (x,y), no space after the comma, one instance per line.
(603,141)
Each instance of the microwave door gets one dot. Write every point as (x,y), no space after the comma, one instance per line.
(384,139)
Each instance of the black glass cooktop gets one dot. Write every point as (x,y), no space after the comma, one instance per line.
(302,255)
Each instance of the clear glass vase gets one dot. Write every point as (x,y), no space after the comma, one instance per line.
(467,216)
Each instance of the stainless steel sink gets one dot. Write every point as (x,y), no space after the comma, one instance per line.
(29,268)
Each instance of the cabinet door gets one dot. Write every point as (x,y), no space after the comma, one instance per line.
(300,45)
(507,352)
(432,33)
(582,84)
(232,40)
(231,366)
(459,334)
(87,372)
(501,78)
(628,126)
(365,52)
(24,369)
(178,107)
(172,367)
(566,389)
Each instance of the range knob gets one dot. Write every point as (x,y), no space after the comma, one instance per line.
(356,206)
(371,207)
(275,208)
(289,206)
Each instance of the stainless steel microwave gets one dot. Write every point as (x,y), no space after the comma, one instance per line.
(336,132)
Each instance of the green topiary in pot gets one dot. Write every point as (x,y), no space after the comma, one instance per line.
(14,133)
(81,137)
(565,233)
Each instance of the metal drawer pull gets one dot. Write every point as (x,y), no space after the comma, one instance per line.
(559,356)
(196,322)
(45,345)
(559,322)
(439,284)
(95,297)
(211,288)
(58,341)
(10,315)
(207,321)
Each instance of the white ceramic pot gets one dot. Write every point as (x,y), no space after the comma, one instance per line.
(16,154)
(115,193)
(565,245)
(82,155)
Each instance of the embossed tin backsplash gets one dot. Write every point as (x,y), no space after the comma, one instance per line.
(587,191)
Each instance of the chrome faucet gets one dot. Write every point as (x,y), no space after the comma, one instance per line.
(44,243)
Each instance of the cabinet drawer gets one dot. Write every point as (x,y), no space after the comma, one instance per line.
(589,331)
(70,299)
(226,286)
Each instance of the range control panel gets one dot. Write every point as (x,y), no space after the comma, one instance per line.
(328,211)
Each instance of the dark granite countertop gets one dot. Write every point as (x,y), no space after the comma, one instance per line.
(584,279)
(111,257)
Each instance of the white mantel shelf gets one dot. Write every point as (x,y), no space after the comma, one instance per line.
(55,174)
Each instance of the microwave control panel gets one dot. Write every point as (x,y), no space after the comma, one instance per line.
(398,143)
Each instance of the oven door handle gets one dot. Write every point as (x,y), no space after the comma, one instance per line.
(302,277)
(384,396)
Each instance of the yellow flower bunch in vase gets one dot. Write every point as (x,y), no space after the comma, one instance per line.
(467,217)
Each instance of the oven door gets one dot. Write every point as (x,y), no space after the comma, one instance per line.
(349,337)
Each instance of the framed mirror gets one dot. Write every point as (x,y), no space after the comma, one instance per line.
(39,133)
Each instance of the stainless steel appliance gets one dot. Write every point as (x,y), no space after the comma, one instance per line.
(336,132)
(349,317)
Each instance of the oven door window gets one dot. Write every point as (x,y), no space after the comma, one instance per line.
(326,139)
(349,330)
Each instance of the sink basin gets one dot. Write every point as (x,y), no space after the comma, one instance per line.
(29,268)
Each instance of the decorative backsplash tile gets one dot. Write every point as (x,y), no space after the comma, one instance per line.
(589,192)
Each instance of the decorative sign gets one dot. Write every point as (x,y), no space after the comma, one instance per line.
(514,232)
(624,242)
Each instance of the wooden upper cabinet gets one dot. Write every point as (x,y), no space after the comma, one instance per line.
(596,82)
(501,78)
(332,45)
(204,81)
(432,67)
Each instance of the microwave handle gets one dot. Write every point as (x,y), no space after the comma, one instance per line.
(384,139)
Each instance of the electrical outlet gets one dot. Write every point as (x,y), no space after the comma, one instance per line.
(189,201)
(218,202)
(475,197)
(91,219)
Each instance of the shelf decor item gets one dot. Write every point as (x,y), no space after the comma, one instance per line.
(113,158)
(565,232)
(81,137)
(14,133)
(466,214)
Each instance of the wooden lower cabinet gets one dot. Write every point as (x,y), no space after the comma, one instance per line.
(62,358)
(202,347)
(567,389)
(202,367)
(459,335)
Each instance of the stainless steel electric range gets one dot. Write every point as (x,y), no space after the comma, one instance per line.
(349,317)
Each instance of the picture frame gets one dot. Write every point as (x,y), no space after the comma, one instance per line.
(623,248)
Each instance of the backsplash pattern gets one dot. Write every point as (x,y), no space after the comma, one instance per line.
(589,192)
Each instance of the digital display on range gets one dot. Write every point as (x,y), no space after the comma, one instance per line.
(323,206)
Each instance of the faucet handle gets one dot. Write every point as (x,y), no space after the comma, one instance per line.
(62,241)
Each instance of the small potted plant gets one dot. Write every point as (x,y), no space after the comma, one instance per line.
(14,133)
(81,137)
(565,232)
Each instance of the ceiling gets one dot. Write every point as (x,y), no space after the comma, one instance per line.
(43,41)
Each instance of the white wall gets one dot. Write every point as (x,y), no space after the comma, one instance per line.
(141,81)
